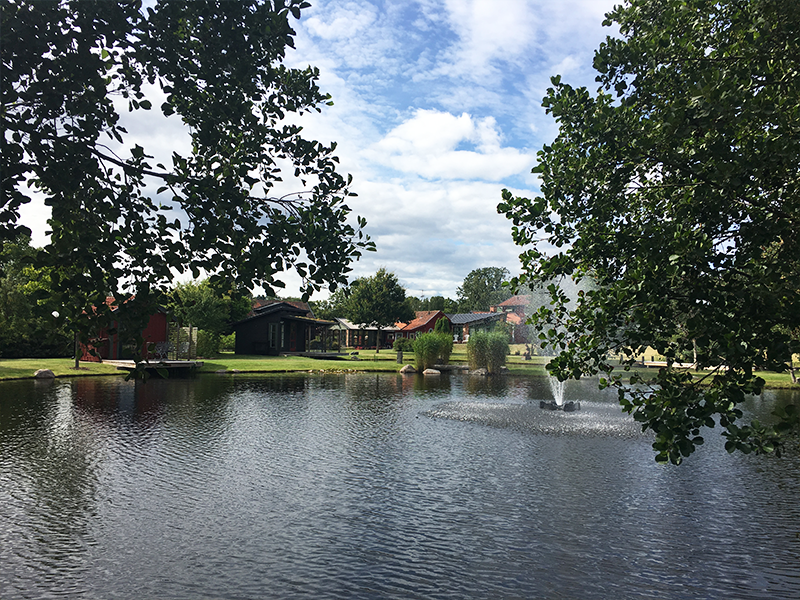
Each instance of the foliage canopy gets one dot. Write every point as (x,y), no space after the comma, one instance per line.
(70,69)
(483,288)
(378,301)
(676,188)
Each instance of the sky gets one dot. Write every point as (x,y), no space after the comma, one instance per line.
(437,108)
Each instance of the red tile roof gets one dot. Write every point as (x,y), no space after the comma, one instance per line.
(516,301)
(423,317)
(515,319)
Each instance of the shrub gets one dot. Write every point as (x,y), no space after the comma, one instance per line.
(442,326)
(403,345)
(487,350)
(208,343)
(227,343)
(446,348)
(430,348)
(497,351)
(477,350)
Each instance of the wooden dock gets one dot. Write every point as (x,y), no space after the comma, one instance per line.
(170,365)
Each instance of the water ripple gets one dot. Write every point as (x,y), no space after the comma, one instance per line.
(373,487)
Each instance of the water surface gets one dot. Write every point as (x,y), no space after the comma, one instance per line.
(374,486)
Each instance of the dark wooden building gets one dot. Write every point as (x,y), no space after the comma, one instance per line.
(277,328)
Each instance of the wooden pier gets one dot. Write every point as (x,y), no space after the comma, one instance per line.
(169,365)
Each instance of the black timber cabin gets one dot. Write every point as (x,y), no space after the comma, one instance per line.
(275,329)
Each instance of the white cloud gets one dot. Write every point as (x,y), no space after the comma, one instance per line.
(428,145)
(436,109)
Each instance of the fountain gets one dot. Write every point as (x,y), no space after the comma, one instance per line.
(557,403)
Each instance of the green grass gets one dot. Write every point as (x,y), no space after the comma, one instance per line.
(369,361)
(24,368)
(384,361)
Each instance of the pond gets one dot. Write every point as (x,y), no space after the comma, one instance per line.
(375,486)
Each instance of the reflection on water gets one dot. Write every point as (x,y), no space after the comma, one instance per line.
(375,486)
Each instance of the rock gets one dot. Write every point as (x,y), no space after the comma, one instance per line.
(480,372)
(44,374)
(222,372)
(408,369)
(431,372)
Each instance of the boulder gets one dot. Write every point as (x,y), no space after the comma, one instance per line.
(431,372)
(408,369)
(480,372)
(44,374)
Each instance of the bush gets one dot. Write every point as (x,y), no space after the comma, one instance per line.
(227,343)
(403,345)
(477,350)
(498,350)
(446,348)
(208,343)
(431,349)
(487,350)
(442,326)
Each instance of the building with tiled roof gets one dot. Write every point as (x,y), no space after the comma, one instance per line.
(423,322)
(516,314)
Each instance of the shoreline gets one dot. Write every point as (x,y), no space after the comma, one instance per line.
(13,369)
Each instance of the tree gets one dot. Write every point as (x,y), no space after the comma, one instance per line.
(378,301)
(441,303)
(210,308)
(27,325)
(334,306)
(443,326)
(67,68)
(676,189)
(483,288)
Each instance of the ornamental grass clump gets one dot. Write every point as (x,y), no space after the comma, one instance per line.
(431,349)
(497,351)
(487,351)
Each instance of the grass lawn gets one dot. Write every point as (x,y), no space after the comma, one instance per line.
(24,368)
(368,361)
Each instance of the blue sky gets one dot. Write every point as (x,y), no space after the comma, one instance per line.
(437,108)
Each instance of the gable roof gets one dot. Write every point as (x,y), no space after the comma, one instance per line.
(519,300)
(422,319)
(261,304)
(467,318)
(268,309)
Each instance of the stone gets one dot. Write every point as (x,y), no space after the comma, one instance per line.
(480,372)
(431,372)
(44,374)
(408,369)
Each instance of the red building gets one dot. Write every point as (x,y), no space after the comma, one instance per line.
(110,346)
(424,322)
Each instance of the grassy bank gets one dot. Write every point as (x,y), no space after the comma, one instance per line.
(24,368)
(364,361)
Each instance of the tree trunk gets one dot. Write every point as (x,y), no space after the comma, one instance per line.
(77,351)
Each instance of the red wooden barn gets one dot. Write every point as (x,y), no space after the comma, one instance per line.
(110,347)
